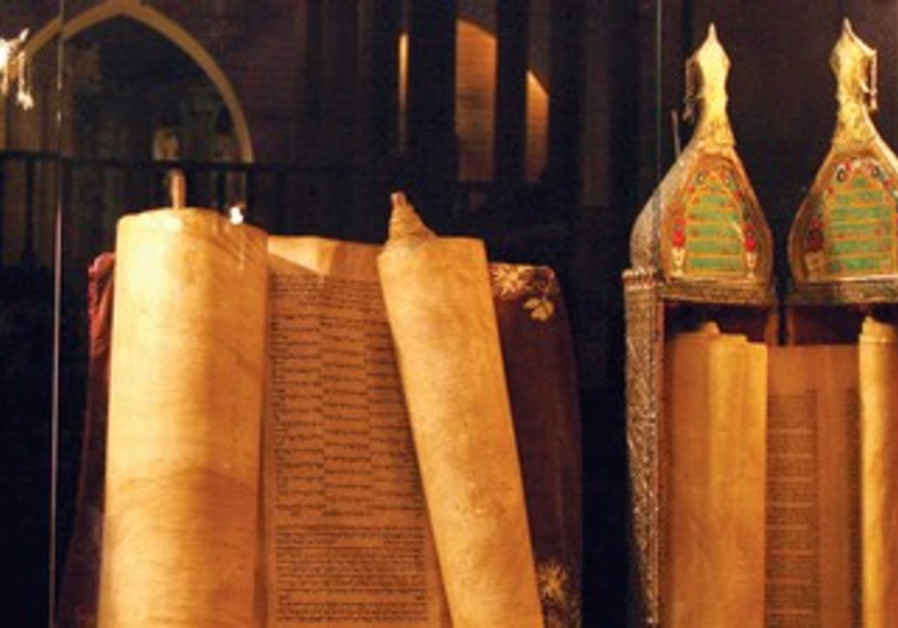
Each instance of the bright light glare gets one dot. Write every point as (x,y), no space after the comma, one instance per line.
(235,214)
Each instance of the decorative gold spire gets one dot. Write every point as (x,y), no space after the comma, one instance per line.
(703,228)
(854,64)
(706,76)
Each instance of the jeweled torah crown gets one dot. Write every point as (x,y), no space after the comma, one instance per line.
(704,224)
(846,229)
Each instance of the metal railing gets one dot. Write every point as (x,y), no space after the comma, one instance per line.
(281,198)
(96,192)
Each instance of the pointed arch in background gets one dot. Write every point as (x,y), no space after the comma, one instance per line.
(158,22)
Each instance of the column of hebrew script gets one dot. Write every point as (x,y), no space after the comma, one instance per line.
(347,533)
(812,509)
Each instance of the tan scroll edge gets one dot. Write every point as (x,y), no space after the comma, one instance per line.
(878,357)
(440,309)
(186,392)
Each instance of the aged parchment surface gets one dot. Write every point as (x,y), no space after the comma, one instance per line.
(812,520)
(347,536)
(716,486)
(228,332)
(186,392)
(441,312)
(878,349)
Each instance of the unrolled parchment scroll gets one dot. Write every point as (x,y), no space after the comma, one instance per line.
(441,312)
(242,361)
(346,533)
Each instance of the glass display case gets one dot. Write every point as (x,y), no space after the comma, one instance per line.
(757,428)
(559,133)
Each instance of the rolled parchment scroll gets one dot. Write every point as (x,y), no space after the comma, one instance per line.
(441,313)
(186,393)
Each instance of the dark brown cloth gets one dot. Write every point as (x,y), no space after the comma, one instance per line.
(540,371)
(80,581)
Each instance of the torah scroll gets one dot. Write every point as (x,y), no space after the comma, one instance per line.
(258,431)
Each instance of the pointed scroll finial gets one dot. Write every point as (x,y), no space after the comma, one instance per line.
(405,224)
